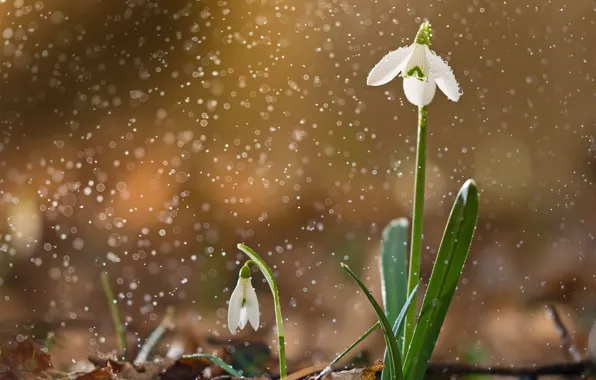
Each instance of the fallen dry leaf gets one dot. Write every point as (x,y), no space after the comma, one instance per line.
(97,374)
(369,373)
(110,369)
(187,369)
(21,358)
(142,371)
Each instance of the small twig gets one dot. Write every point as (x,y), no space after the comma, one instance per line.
(569,348)
(327,369)
(116,321)
(559,369)
(576,368)
(166,324)
(303,373)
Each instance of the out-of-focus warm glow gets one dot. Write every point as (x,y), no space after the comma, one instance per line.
(23,224)
(504,170)
(148,138)
(436,186)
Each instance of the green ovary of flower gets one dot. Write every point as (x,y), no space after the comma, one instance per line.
(424,34)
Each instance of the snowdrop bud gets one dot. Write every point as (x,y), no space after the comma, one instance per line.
(244,305)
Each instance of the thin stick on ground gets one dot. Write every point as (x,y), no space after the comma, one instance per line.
(166,324)
(567,345)
(567,370)
(557,369)
(577,367)
(301,374)
(329,367)
(116,321)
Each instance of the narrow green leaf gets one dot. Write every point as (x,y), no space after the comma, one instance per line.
(443,280)
(397,326)
(329,367)
(225,366)
(398,323)
(390,340)
(394,269)
(394,277)
(119,328)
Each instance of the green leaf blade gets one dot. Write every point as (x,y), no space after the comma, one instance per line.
(395,362)
(449,263)
(394,269)
(397,326)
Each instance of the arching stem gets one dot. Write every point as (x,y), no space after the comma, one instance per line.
(281,340)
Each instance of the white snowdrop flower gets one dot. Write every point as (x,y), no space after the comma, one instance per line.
(244,306)
(421,69)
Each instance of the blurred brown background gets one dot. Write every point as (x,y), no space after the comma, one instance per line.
(148,138)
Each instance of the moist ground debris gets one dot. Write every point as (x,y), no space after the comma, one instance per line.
(25,357)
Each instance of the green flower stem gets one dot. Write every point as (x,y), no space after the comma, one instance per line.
(416,239)
(118,326)
(281,340)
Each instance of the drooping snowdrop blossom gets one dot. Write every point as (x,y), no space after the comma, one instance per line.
(421,69)
(244,306)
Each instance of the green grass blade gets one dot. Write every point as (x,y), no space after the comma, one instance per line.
(394,270)
(329,367)
(225,366)
(119,328)
(443,280)
(390,340)
(397,326)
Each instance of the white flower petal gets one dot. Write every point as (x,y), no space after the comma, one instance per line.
(418,59)
(235,306)
(419,92)
(389,67)
(444,77)
(252,306)
(243,318)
